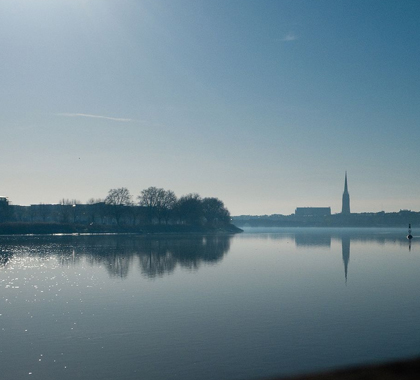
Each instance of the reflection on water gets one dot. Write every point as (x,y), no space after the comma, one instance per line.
(160,255)
(311,240)
(278,302)
(321,238)
(156,256)
(345,247)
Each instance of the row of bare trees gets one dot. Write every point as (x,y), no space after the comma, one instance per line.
(159,206)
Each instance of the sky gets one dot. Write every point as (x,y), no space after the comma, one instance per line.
(263,104)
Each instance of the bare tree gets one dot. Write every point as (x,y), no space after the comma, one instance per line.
(167,206)
(158,202)
(117,201)
(151,199)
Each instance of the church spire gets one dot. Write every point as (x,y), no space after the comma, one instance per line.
(346,198)
(345,183)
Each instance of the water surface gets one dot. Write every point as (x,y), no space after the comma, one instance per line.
(266,302)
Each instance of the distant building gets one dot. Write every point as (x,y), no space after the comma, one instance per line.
(313,211)
(4,209)
(346,199)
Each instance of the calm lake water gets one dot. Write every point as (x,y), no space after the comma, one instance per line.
(263,303)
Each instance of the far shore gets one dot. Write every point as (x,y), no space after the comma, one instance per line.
(381,219)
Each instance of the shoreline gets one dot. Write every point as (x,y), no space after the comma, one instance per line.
(361,220)
(30,229)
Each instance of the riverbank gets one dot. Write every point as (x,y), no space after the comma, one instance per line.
(16,228)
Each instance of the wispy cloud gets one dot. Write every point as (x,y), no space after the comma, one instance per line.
(95,116)
(290,37)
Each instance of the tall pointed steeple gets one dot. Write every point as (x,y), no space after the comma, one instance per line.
(345,183)
(346,198)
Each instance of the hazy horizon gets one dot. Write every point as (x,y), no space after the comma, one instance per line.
(264,104)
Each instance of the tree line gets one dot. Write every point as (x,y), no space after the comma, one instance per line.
(157,205)
(152,206)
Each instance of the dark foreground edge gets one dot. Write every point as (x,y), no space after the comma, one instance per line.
(398,370)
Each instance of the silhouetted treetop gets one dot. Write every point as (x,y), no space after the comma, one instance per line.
(215,212)
(118,197)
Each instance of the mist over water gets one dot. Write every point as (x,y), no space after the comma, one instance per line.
(266,302)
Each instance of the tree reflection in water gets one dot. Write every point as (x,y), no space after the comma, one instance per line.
(161,256)
(156,255)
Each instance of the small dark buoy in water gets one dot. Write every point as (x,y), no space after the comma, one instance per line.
(409,236)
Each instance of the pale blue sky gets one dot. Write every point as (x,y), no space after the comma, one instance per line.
(263,104)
